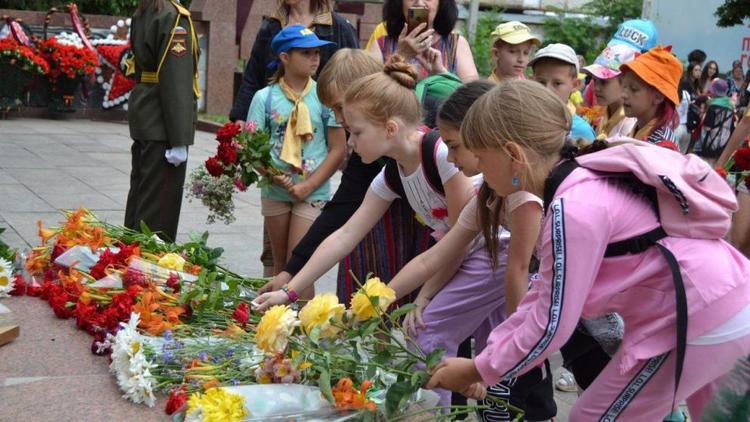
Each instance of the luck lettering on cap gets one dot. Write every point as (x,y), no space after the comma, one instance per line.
(306,32)
(520,28)
(633,35)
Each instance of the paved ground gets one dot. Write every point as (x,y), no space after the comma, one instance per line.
(46,166)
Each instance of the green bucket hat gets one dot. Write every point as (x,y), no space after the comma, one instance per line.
(439,86)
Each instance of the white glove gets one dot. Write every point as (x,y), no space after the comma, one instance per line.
(176,155)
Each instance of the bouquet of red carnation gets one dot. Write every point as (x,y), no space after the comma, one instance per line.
(69,61)
(737,167)
(243,158)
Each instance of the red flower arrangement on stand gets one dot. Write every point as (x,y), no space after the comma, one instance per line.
(68,65)
(18,64)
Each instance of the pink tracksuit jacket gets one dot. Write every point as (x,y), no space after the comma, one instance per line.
(578,282)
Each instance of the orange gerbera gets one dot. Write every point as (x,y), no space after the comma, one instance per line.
(349,398)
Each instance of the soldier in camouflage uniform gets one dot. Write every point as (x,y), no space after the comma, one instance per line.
(162,113)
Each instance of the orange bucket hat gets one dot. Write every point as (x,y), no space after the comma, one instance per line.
(659,68)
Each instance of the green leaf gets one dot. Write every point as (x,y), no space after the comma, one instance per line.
(434,357)
(324,383)
(396,398)
(403,310)
(419,378)
(315,335)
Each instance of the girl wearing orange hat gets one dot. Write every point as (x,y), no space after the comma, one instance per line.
(650,86)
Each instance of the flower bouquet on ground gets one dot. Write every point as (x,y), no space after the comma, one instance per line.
(18,64)
(70,61)
(243,158)
(99,273)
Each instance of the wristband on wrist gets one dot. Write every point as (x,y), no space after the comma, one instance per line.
(291,294)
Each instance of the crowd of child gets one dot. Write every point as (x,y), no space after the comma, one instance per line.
(526,254)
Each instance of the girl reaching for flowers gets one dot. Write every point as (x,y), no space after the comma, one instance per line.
(588,212)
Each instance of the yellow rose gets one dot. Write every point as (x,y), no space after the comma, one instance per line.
(275,328)
(362,305)
(216,405)
(319,312)
(172,261)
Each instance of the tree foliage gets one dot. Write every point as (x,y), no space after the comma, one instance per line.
(732,12)
(586,37)
(481,48)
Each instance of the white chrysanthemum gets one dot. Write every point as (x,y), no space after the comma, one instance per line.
(130,365)
(195,416)
(65,38)
(6,277)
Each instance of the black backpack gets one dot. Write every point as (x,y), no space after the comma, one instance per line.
(430,142)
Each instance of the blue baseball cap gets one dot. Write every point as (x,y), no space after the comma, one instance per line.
(295,36)
(640,34)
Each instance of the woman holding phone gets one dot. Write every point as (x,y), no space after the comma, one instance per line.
(422,32)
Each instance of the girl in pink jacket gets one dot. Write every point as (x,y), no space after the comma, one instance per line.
(517,130)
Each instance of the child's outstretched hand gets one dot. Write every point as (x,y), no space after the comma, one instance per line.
(459,375)
(266,300)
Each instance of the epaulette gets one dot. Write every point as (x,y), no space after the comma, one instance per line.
(180,8)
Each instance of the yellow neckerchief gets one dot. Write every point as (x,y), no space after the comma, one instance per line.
(299,127)
(642,133)
(609,122)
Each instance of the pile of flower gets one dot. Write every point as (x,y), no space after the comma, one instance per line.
(68,59)
(99,274)
(243,158)
(174,321)
(22,57)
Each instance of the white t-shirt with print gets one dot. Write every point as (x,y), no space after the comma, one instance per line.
(430,206)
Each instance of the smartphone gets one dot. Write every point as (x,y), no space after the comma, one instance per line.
(416,15)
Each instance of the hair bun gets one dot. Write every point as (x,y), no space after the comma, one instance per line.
(401,71)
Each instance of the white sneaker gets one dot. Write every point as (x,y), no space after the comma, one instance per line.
(566,382)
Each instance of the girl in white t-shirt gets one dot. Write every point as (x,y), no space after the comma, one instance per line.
(503,262)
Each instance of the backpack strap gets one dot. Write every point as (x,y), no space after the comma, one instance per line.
(635,245)
(430,143)
(641,243)
(555,179)
(428,151)
(393,178)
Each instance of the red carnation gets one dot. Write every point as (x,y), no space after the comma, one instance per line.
(742,158)
(214,167)
(84,313)
(227,132)
(19,286)
(440,213)
(106,259)
(722,172)
(134,277)
(173,282)
(242,313)
(177,399)
(227,153)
